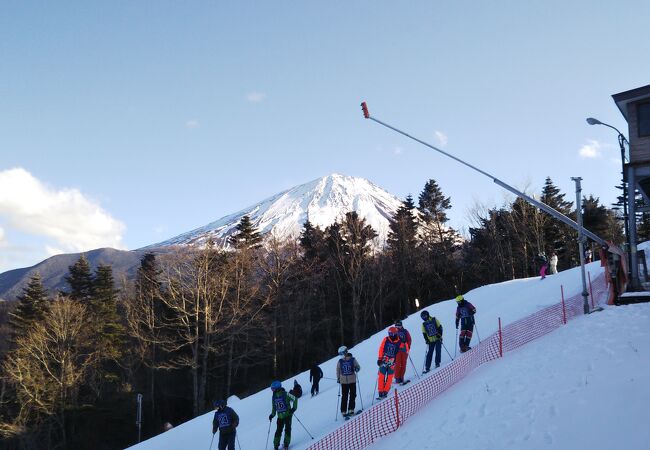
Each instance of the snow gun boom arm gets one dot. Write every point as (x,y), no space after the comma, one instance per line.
(547,209)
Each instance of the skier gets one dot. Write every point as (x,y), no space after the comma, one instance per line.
(553,263)
(388,349)
(543,264)
(284,404)
(225,421)
(346,375)
(296,391)
(315,374)
(402,355)
(432,332)
(465,316)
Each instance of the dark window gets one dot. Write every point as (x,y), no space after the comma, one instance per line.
(643,115)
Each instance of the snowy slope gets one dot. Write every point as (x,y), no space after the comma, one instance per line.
(543,393)
(322,201)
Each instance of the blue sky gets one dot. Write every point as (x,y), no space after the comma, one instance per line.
(125,123)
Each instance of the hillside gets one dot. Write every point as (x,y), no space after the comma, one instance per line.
(515,402)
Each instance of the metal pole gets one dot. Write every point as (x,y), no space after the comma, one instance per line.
(138,416)
(547,209)
(581,245)
(360,396)
(338,401)
(294,415)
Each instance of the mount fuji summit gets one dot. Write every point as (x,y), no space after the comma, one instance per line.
(322,201)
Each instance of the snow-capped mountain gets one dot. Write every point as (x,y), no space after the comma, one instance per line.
(322,202)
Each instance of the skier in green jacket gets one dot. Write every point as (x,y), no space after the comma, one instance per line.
(284,404)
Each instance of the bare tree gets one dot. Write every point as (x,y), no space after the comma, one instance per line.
(50,364)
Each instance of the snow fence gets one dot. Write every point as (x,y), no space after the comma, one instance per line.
(387,416)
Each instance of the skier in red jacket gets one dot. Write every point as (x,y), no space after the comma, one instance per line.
(388,350)
(402,355)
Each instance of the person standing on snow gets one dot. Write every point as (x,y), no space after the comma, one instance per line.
(552,263)
(543,264)
(465,316)
(402,355)
(225,421)
(388,350)
(284,405)
(346,375)
(432,332)
(315,374)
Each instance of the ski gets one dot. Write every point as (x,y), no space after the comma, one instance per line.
(405,382)
(348,417)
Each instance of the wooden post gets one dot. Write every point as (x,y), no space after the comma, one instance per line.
(500,340)
(563,306)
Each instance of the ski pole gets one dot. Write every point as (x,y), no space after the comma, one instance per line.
(329,378)
(477,335)
(336,417)
(267,436)
(374,390)
(414,368)
(212,441)
(443,344)
(360,396)
(456,342)
(238,443)
(294,415)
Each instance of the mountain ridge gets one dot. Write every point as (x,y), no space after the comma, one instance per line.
(321,201)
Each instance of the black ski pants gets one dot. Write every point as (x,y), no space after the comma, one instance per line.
(433,346)
(286,424)
(314,386)
(227,441)
(348,397)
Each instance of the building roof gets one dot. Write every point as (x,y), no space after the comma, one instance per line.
(633,95)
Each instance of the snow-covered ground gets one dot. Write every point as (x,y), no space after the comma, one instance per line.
(586,385)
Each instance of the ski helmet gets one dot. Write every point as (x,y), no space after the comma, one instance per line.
(219,403)
(398,323)
(424,315)
(343,350)
(392,332)
(459,298)
(276,385)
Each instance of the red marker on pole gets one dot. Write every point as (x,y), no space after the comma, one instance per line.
(364,108)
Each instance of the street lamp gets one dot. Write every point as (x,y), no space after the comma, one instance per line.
(621,142)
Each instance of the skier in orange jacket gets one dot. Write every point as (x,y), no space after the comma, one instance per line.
(388,350)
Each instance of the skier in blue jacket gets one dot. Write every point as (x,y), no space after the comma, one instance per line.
(225,421)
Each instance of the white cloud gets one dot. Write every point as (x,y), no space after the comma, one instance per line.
(64,217)
(192,123)
(592,149)
(3,241)
(441,138)
(255,97)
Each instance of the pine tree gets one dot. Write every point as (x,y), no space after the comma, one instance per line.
(557,235)
(103,310)
(312,241)
(32,306)
(433,204)
(402,245)
(600,220)
(80,280)
(247,235)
